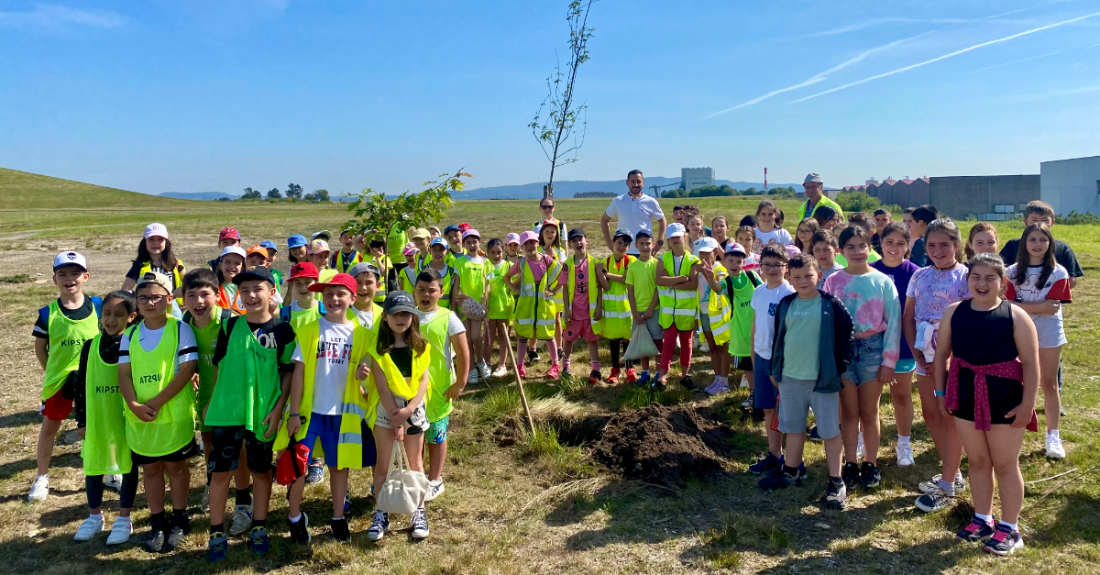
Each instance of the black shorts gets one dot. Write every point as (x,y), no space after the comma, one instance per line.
(1004,396)
(742,364)
(184,453)
(225,450)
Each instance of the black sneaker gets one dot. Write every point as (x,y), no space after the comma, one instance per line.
(869,475)
(757,414)
(781,478)
(155,543)
(1004,541)
(379,524)
(766,465)
(299,532)
(836,494)
(340,530)
(687,383)
(814,435)
(532,356)
(180,530)
(850,473)
(977,531)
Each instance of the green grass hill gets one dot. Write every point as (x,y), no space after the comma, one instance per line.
(26,191)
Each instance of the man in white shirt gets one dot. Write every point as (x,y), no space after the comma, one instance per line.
(636,212)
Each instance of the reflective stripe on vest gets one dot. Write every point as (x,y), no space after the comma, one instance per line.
(535,315)
(678,307)
(617,320)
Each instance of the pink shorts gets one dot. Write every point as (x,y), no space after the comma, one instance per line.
(578,328)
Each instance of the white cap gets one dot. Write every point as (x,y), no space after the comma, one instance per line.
(156,230)
(675,231)
(69,259)
(235,250)
(706,245)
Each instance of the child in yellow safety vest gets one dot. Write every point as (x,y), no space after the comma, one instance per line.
(99,421)
(231,263)
(399,371)
(472,271)
(304,307)
(677,282)
(501,305)
(406,277)
(59,332)
(714,308)
(347,256)
(439,263)
(365,311)
(582,309)
(534,279)
(156,361)
(616,324)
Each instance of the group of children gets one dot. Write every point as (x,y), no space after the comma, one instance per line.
(356,350)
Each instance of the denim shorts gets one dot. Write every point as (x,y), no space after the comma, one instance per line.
(865,359)
(763,392)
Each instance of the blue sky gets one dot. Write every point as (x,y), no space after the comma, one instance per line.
(199,95)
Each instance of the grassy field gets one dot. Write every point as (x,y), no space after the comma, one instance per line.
(536,504)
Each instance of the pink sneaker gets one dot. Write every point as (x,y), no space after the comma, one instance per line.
(554,372)
(522,369)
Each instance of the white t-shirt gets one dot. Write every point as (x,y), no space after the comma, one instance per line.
(634,215)
(366,317)
(333,362)
(765,303)
(186,348)
(777,236)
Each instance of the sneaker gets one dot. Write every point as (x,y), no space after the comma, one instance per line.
(704,347)
(316,472)
(299,532)
(566,372)
(747,402)
(113,481)
(859,447)
(472,376)
(813,435)
(258,541)
(869,475)
(631,375)
(933,485)
(643,380)
(1062,412)
(522,371)
(242,520)
(717,387)
(217,548)
(744,381)
(340,530)
(687,383)
(435,489)
(483,371)
(594,377)
(500,372)
(780,478)
(554,372)
(561,355)
(121,530)
(905,454)
(977,531)
(1054,447)
(1004,541)
(660,383)
(179,532)
(419,524)
(347,502)
(91,527)
(613,379)
(758,415)
(378,526)
(836,494)
(205,499)
(155,542)
(40,488)
(850,474)
(533,356)
(932,502)
(766,465)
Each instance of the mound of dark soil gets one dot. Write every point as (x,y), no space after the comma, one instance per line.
(666,445)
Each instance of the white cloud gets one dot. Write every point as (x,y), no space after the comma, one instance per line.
(874,22)
(946,56)
(53,16)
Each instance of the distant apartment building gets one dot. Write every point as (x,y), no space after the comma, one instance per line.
(905,192)
(691,178)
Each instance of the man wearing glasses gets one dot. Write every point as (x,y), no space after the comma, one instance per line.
(636,212)
(815,197)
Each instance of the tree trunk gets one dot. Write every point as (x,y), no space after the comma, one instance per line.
(548,192)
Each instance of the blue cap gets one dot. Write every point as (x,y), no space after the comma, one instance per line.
(270,245)
(451,228)
(439,241)
(296,241)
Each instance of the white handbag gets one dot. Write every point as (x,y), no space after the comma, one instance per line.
(404,488)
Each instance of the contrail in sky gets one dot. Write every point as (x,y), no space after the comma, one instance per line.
(1020,61)
(946,56)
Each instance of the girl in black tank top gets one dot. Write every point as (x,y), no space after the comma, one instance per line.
(984,338)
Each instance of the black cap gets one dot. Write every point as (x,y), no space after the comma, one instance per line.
(621,233)
(256,273)
(576,233)
(397,302)
(643,234)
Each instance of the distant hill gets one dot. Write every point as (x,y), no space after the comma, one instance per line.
(567,189)
(207,196)
(27,191)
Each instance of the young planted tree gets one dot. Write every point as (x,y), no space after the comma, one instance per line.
(375,215)
(555,123)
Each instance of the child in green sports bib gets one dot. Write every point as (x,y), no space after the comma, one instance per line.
(100,423)
(472,284)
(156,361)
(252,380)
(501,304)
(60,330)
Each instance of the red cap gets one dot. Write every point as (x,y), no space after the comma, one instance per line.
(342,280)
(229,233)
(304,270)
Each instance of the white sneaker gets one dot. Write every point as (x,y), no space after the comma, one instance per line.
(1054,445)
(483,371)
(113,481)
(500,372)
(747,402)
(859,447)
(419,525)
(120,531)
(704,347)
(435,489)
(472,378)
(744,381)
(905,454)
(242,520)
(91,527)
(40,488)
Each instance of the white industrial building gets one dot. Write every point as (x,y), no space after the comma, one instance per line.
(1071,185)
(691,178)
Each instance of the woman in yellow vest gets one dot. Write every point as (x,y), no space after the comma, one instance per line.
(535,278)
(155,254)
(98,411)
(396,408)
(617,320)
(501,304)
(677,281)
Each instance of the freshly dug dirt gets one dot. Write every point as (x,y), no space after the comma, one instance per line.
(666,445)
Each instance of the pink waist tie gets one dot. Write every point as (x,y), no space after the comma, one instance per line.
(982,418)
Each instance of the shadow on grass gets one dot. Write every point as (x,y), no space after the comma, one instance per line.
(13,468)
(20,419)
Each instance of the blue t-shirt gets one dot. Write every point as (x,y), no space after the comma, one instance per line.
(919,256)
(900,275)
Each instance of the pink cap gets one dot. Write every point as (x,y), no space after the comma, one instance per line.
(409,250)
(155,230)
(528,236)
(512,238)
(792,250)
(471,232)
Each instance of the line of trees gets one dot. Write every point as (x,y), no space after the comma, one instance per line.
(293,193)
(727,191)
